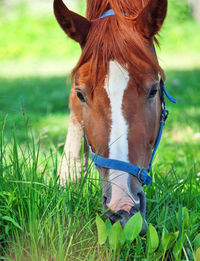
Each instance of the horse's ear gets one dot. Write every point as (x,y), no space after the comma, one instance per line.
(74,25)
(151,18)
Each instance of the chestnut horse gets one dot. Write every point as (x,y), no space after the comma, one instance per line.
(116,100)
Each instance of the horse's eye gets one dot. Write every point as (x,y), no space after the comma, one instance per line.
(153,92)
(81,96)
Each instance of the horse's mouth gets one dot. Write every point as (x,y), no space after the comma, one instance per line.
(123,216)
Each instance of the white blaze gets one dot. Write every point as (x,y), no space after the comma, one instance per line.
(115,85)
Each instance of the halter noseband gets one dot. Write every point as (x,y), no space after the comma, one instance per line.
(140,173)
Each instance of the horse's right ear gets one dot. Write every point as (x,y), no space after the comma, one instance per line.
(74,25)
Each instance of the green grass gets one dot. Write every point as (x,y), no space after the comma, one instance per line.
(39,220)
(45,220)
(43,103)
(60,222)
(25,36)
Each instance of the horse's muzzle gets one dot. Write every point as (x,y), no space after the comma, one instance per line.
(123,216)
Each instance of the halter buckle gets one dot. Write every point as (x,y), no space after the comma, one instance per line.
(164,116)
(140,175)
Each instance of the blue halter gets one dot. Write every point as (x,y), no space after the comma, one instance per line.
(140,173)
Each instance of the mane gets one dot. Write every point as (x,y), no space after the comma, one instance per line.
(115,38)
(132,8)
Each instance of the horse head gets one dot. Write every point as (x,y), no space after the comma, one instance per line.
(116,93)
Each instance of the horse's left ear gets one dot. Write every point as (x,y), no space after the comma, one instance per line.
(150,20)
(74,25)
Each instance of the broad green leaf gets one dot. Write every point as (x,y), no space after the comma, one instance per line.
(168,240)
(114,235)
(108,225)
(198,254)
(133,227)
(152,240)
(9,219)
(164,233)
(122,237)
(102,230)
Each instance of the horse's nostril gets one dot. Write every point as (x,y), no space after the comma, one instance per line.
(104,203)
(104,199)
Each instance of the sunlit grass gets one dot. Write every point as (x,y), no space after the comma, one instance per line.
(47,220)
(51,222)
(59,223)
(29,37)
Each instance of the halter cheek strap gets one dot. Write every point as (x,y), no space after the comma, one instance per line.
(164,116)
(138,172)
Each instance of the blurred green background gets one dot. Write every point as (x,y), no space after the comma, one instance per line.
(36,58)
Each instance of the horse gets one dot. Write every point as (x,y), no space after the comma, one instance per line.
(117,98)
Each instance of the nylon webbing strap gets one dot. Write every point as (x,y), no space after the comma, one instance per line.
(107,13)
(107,163)
(164,115)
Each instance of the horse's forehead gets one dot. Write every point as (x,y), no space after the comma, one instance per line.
(117,79)
(117,75)
(121,80)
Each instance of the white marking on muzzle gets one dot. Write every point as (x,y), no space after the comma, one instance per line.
(115,85)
